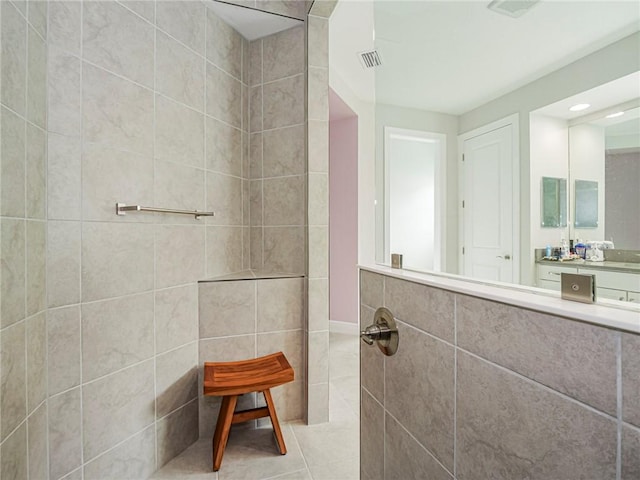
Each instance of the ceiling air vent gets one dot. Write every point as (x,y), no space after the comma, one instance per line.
(512,8)
(370,59)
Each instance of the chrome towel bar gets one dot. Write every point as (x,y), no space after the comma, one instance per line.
(123,208)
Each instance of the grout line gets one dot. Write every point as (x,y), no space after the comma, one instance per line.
(619,405)
(155,237)
(455,384)
(26,234)
(82,146)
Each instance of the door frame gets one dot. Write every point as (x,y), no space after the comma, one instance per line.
(512,121)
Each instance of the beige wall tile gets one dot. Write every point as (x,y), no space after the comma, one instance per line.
(372,437)
(427,308)
(176,379)
(13,31)
(176,432)
(142,7)
(284,199)
(630,378)
(63,263)
(284,249)
(113,267)
(255,63)
(256,248)
(280,304)
(37,443)
(318,357)
(227,349)
(290,8)
(179,72)
(630,453)
(256,123)
(64,178)
(318,31)
(36,340)
(284,152)
(13,373)
(116,112)
(371,360)
(224,45)
(179,133)
(420,390)
(318,93)
(64,81)
(323,8)
(224,250)
(284,102)
(318,304)
(245,63)
(371,289)
(181,187)
(288,399)
(318,403)
(184,21)
(318,252)
(13,272)
(135,458)
(283,54)
(290,343)
(571,357)
(224,148)
(255,156)
(318,199)
(223,96)
(227,308)
(115,407)
(63,349)
(64,26)
(176,317)
(12,164)
(224,197)
(36,79)
(36,267)
(36,169)
(179,254)
(115,334)
(13,454)
(119,41)
(318,146)
(562,439)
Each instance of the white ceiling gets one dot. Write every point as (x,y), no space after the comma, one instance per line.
(453,56)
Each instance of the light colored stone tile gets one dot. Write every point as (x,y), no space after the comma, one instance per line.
(224,148)
(427,308)
(246,248)
(176,317)
(229,349)
(36,79)
(64,26)
(318,32)
(181,187)
(135,458)
(224,250)
(371,360)
(318,199)
(63,349)
(280,304)
(324,444)
(13,58)
(13,453)
(112,267)
(64,99)
(223,96)
(371,289)
(64,178)
(255,203)
(12,164)
(284,201)
(75,475)
(256,122)
(37,443)
(115,407)
(227,308)
(246,160)
(37,15)
(323,8)
(318,403)
(184,21)
(245,108)
(318,252)
(571,357)
(116,112)
(118,40)
(290,8)
(630,378)
(224,45)
(36,169)
(256,235)
(630,453)
(289,402)
(284,102)
(144,8)
(255,63)
(13,272)
(179,133)
(255,156)
(283,54)
(406,458)
(36,361)
(176,432)
(179,254)
(290,343)
(562,438)
(208,415)
(246,212)
(372,438)
(284,249)
(195,463)
(115,334)
(36,267)
(318,146)
(318,304)
(13,401)
(63,263)
(224,197)
(176,380)
(284,151)
(318,353)
(420,390)
(245,62)
(318,93)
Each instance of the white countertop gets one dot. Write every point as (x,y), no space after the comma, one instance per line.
(623,317)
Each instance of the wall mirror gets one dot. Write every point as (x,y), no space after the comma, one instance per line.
(554,202)
(586,204)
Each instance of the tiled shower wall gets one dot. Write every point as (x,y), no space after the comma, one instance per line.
(479,389)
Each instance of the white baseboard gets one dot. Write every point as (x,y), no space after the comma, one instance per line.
(336,326)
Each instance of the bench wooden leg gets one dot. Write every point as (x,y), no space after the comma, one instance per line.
(223,426)
(274,421)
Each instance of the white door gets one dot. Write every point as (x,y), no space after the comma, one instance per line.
(488,240)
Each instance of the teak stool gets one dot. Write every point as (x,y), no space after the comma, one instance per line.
(230,379)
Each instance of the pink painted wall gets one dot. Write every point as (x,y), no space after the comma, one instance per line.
(343,211)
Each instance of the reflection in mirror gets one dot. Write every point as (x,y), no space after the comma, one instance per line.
(586,203)
(554,202)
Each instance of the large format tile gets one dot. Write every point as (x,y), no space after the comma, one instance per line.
(36,267)
(117,40)
(63,263)
(181,187)
(13,58)
(318,199)
(571,357)
(284,152)
(176,432)
(64,80)
(63,348)
(631,378)
(224,45)
(284,200)
(37,443)
(115,407)
(183,20)
(36,79)
(223,96)
(176,315)
(256,123)
(283,54)
(289,8)
(318,251)
(318,353)
(290,343)
(64,30)
(36,361)
(179,254)
(289,402)
(406,458)
(176,379)
(224,250)
(562,439)
(255,156)
(64,178)
(280,304)
(13,454)
(318,298)
(117,259)
(13,372)
(224,148)
(284,249)
(12,164)
(65,433)
(135,458)
(371,289)
(179,133)
(419,391)
(318,32)
(284,102)
(36,171)
(372,438)
(318,93)
(115,334)
(224,197)
(227,308)
(318,135)
(37,14)
(630,453)
(371,360)
(255,203)
(13,272)
(426,308)
(328,443)
(255,63)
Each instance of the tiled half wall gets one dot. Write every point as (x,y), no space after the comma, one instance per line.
(483,390)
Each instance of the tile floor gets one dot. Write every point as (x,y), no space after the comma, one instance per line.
(319,452)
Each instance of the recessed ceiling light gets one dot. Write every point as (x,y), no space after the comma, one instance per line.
(614,115)
(579,107)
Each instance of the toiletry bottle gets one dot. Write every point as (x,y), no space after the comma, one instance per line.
(564,248)
(581,249)
(547,251)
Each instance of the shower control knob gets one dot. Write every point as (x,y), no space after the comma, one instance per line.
(382,331)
